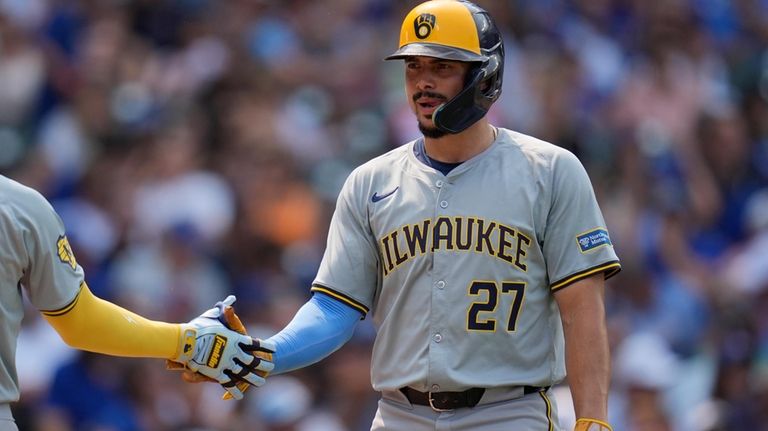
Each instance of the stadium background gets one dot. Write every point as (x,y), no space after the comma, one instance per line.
(194,148)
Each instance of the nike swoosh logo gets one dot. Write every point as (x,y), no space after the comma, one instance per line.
(377,197)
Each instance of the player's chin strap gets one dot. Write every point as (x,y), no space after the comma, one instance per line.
(589,424)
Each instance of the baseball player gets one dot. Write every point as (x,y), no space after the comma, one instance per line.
(480,252)
(37,258)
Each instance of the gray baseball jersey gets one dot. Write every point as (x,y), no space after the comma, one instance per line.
(36,256)
(459,270)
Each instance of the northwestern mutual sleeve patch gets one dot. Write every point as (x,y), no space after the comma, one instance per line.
(593,239)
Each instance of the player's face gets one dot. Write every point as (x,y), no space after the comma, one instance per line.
(430,82)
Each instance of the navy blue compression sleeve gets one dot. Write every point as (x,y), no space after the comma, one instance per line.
(319,328)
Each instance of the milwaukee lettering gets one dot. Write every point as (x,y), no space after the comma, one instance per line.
(219,343)
(460,234)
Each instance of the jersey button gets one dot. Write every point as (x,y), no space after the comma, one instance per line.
(438,338)
(440,284)
(444,204)
(439,183)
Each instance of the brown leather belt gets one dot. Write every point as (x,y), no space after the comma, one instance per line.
(441,401)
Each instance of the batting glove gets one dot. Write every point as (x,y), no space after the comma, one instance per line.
(588,424)
(224,355)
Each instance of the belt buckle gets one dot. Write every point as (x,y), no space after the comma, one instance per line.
(432,404)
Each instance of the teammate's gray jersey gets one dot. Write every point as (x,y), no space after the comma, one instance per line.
(36,256)
(459,270)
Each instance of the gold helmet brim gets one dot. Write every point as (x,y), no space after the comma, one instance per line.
(436,51)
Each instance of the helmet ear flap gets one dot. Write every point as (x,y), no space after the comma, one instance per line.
(494,69)
(465,108)
(481,89)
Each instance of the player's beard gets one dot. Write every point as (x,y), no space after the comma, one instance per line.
(429,131)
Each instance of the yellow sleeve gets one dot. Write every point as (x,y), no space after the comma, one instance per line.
(93,324)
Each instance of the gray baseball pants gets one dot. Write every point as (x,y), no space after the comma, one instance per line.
(532,412)
(6,419)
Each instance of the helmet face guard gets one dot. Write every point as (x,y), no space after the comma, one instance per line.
(460,31)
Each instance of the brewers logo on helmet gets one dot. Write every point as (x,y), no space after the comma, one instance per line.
(462,31)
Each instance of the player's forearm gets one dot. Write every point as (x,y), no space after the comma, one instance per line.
(93,324)
(588,366)
(319,328)
(587,358)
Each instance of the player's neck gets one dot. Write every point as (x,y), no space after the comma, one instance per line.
(461,146)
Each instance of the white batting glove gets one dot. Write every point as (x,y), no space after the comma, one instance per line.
(215,351)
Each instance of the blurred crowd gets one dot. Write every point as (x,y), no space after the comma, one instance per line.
(194,148)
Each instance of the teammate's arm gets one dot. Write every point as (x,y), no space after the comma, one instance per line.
(93,324)
(204,345)
(319,328)
(48,271)
(587,358)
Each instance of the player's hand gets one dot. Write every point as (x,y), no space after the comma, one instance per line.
(221,354)
(588,424)
(231,320)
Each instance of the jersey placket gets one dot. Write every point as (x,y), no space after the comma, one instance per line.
(439,344)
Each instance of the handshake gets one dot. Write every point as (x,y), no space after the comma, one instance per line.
(215,347)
